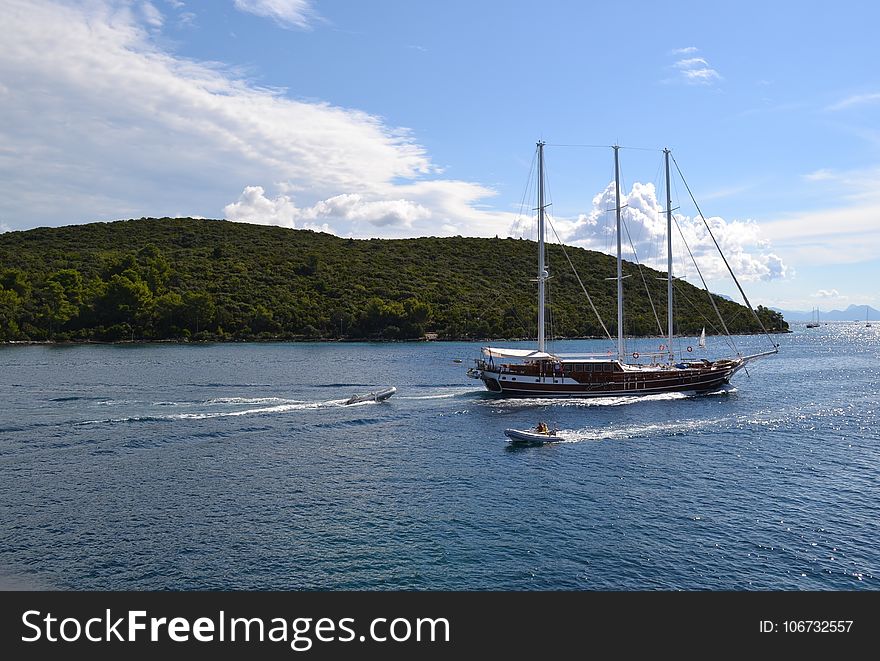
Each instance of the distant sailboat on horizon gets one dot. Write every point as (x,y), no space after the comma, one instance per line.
(867,323)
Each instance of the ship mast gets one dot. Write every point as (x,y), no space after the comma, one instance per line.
(542,271)
(668,257)
(620,348)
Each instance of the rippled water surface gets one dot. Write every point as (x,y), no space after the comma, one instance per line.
(237,466)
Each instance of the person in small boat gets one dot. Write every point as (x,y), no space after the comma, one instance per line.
(542,428)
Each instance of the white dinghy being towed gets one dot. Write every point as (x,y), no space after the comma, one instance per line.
(375,396)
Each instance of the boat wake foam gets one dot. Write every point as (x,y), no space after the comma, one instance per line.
(638,431)
(448,393)
(602,401)
(264,410)
(252,400)
(291,405)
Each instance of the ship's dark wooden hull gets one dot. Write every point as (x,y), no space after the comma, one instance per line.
(536,381)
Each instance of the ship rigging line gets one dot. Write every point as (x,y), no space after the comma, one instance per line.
(729,270)
(557,144)
(680,291)
(580,282)
(642,274)
(517,223)
(706,287)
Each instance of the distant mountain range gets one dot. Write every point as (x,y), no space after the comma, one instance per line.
(852,313)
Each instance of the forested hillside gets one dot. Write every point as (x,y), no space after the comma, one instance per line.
(183,278)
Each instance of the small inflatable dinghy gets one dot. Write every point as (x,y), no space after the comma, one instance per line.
(532,436)
(375,396)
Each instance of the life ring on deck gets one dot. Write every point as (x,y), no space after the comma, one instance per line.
(636,355)
(690,349)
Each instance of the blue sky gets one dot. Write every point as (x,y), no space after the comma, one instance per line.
(400,118)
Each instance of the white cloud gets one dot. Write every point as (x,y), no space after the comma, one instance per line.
(287,13)
(745,248)
(853,185)
(819,175)
(352,209)
(99,123)
(691,63)
(846,233)
(436,207)
(454,208)
(695,70)
(855,100)
(827,293)
(254,207)
(684,51)
(842,235)
(152,16)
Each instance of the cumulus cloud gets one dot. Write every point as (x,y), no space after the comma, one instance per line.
(254,207)
(421,208)
(748,253)
(287,13)
(352,209)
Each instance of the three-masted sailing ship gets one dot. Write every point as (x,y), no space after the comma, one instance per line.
(540,373)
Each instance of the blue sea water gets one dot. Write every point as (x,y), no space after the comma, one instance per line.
(236,466)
